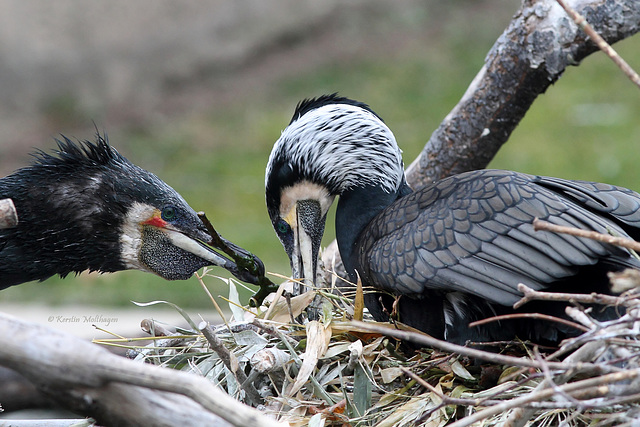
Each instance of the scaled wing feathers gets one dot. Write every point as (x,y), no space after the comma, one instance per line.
(473,233)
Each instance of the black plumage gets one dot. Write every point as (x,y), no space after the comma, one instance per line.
(453,251)
(86,207)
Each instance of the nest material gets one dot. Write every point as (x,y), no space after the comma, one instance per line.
(342,372)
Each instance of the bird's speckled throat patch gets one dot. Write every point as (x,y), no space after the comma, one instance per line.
(304,190)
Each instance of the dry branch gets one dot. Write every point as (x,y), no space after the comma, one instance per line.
(624,242)
(8,214)
(602,44)
(428,341)
(531,54)
(600,383)
(115,391)
(592,298)
(231,362)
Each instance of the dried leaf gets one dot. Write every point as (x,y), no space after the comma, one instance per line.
(495,391)
(508,374)
(446,381)
(407,414)
(318,338)
(327,312)
(390,374)
(316,421)
(336,349)
(249,338)
(461,371)
(279,312)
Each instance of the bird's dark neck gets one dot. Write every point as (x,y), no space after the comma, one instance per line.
(356,209)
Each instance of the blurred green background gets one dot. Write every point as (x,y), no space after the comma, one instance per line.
(210,133)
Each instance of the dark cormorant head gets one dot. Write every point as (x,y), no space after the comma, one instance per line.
(333,146)
(89,208)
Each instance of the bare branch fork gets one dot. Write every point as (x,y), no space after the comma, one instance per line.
(593,298)
(602,44)
(431,342)
(530,55)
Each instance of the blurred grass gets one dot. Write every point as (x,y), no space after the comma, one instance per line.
(585,127)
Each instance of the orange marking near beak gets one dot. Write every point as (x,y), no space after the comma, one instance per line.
(156,221)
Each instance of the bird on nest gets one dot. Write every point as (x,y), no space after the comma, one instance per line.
(447,254)
(88,208)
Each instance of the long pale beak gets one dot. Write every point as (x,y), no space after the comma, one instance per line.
(241,263)
(308,228)
(195,247)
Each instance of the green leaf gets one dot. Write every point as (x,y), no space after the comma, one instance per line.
(361,390)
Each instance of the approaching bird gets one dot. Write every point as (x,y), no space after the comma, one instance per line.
(89,208)
(454,251)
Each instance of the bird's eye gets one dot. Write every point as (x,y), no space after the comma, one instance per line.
(169,213)
(282,227)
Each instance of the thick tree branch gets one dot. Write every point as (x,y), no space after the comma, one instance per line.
(531,54)
(115,391)
(8,214)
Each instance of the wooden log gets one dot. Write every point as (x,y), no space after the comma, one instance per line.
(17,393)
(90,380)
(8,214)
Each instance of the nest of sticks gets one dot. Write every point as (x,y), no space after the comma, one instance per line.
(347,369)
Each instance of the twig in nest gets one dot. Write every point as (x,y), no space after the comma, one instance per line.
(601,43)
(154,329)
(429,341)
(592,298)
(230,362)
(528,316)
(598,384)
(594,235)
(550,380)
(446,400)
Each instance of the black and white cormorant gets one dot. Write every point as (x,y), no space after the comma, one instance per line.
(89,208)
(455,250)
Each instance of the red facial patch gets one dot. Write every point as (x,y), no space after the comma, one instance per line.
(156,221)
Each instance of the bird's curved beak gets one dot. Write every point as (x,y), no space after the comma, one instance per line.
(176,253)
(307,222)
(196,246)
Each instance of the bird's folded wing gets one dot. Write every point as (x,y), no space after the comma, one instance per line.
(473,233)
